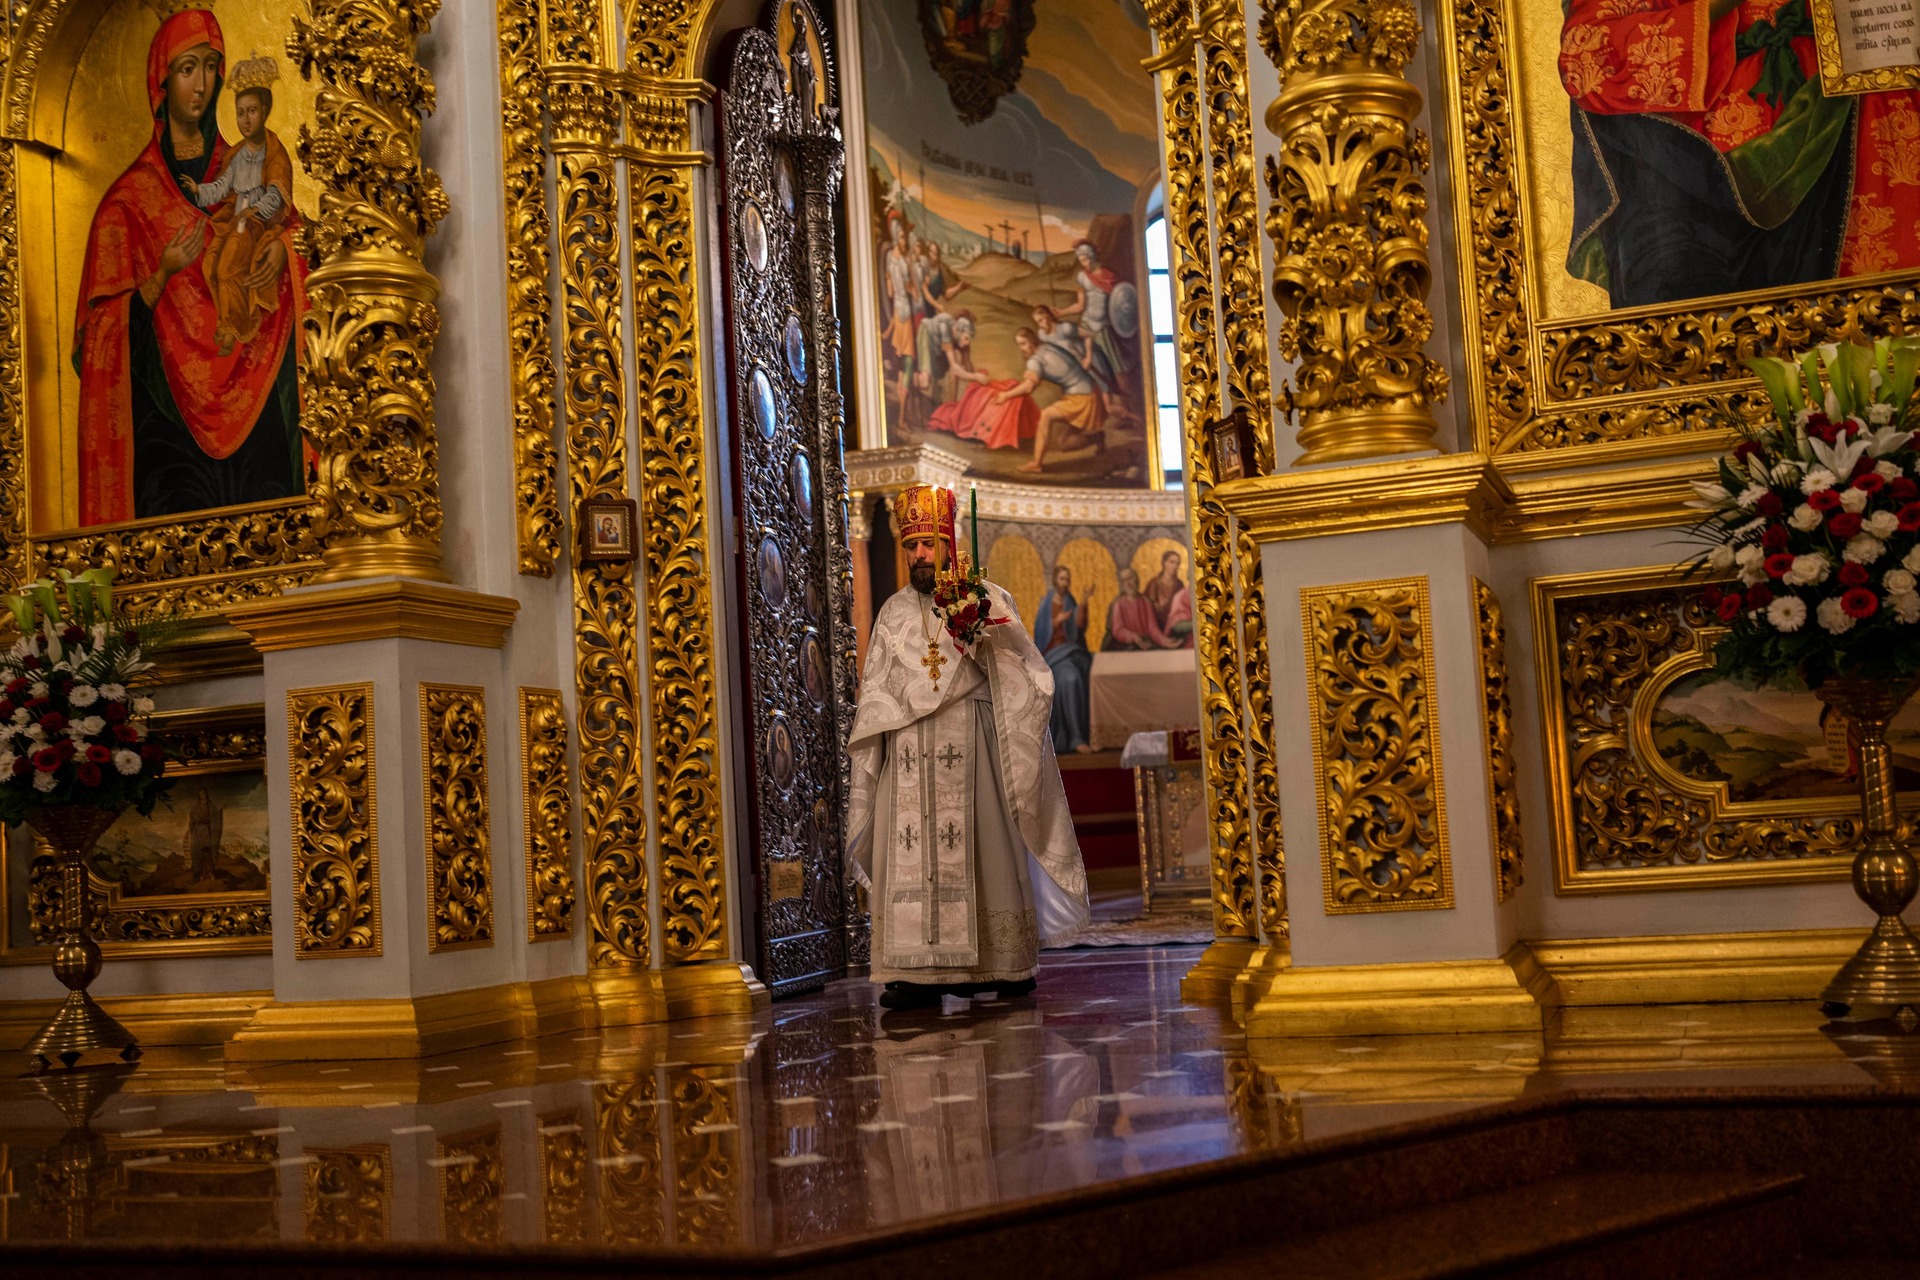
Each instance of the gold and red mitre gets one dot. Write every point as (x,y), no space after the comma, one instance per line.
(922,510)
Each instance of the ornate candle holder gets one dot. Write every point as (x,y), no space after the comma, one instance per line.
(81,1024)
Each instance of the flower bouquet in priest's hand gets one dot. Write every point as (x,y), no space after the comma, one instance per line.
(72,731)
(1816,515)
(965,605)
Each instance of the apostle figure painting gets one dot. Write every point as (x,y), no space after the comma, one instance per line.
(1012,150)
(187,302)
(1708,158)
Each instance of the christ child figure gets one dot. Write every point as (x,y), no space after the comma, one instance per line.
(249,200)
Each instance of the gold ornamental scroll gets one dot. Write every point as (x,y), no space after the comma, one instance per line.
(366,386)
(1503,784)
(1347,219)
(546,799)
(336,849)
(453,767)
(585,119)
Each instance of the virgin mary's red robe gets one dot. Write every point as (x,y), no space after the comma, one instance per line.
(219,398)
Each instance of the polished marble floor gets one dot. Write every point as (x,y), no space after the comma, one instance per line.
(819,1120)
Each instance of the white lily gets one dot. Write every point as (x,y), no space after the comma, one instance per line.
(1885,440)
(1839,458)
(1712,497)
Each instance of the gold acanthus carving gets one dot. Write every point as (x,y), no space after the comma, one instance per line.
(675,545)
(336,858)
(1348,223)
(349,1194)
(472,1181)
(711,1171)
(14,552)
(1623,818)
(531,378)
(1659,381)
(1190,231)
(547,801)
(1503,791)
(632,1179)
(453,769)
(366,383)
(1376,746)
(563,1179)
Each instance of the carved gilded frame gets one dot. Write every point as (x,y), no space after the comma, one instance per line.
(1614,386)
(357,327)
(206,741)
(1607,647)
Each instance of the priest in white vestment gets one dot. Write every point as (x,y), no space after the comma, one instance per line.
(957,822)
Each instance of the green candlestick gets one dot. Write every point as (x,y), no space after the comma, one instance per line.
(973,516)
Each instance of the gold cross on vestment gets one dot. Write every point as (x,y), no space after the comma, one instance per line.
(934,661)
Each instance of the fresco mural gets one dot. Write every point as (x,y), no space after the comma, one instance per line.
(1011,148)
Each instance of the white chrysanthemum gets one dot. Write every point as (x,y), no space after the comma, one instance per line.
(1899,582)
(1833,618)
(143,706)
(1805,518)
(1750,496)
(20,715)
(1808,570)
(1786,471)
(1817,479)
(6,764)
(1855,500)
(1788,613)
(38,689)
(114,692)
(1720,559)
(1863,548)
(76,730)
(43,781)
(83,695)
(1881,524)
(1906,607)
(127,762)
(1750,557)
(35,732)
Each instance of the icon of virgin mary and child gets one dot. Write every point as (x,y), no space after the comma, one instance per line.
(191,298)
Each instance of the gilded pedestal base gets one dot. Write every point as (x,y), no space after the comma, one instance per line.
(715,987)
(625,997)
(1261,966)
(1707,968)
(156,1020)
(286,1031)
(1512,993)
(1211,979)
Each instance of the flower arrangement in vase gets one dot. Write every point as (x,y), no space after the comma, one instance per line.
(1816,516)
(75,754)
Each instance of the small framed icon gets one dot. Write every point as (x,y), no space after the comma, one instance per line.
(1231,442)
(608,530)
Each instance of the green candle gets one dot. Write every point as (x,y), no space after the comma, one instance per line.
(973,515)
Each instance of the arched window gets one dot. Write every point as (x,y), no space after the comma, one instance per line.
(1166,360)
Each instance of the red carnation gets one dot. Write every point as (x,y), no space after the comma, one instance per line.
(1777,565)
(46,759)
(1862,465)
(1824,499)
(17,686)
(64,748)
(89,774)
(1730,605)
(1759,597)
(1903,489)
(1843,524)
(113,712)
(1824,432)
(151,753)
(1769,505)
(21,765)
(71,635)
(1853,575)
(7,708)
(1712,596)
(53,722)
(1745,449)
(1871,482)
(1859,603)
(1909,517)
(32,662)
(97,754)
(1775,538)
(124,734)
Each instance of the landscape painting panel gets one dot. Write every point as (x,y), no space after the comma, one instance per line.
(1011,150)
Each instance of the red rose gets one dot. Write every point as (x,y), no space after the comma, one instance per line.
(1712,596)
(151,753)
(32,662)
(17,686)
(113,712)
(1859,603)
(1824,432)
(1843,524)
(1824,499)
(1861,466)
(64,748)
(1744,450)
(97,754)
(1871,482)
(1909,517)
(6,708)
(1769,505)
(1777,565)
(89,774)
(46,759)
(124,734)
(1903,490)
(1759,597)
(21,765)
(71,635)
(1775,538)
(1729,606)
(1853,575)
(53,722)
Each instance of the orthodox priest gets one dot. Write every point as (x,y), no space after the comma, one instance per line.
(957,822)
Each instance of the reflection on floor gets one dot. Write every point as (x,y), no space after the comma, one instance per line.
(818,1122)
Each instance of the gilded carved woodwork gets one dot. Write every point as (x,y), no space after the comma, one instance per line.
(1626,818)
(366,384)
(563,1180)
(538,531)
(472,1180)
(453,775)
(336,856)
(1503,788)
(349,1195)
(1348,223)
(712,1174)
(1376,746)
(1634,383)
(547,803)
(631,1176)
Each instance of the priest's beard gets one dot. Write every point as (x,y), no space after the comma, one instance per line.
(921,575)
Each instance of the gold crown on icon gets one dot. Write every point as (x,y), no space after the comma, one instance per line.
(164,9)
(254,73)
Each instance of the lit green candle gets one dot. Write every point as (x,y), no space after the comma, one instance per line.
(973,515)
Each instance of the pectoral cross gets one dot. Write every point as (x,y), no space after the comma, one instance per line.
(933,662)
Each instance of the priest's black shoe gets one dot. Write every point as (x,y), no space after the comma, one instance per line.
(909,995)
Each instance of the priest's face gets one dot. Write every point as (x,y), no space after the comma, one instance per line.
(921,561)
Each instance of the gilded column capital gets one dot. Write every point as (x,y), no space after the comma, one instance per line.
(583,107)
(1347,218)
(659,118)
